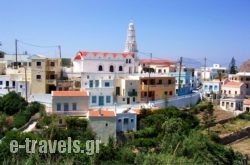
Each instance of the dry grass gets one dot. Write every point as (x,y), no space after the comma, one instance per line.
(231,126)
(242,146)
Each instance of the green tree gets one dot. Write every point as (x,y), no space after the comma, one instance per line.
(13,103)
(232,67)
(208,116)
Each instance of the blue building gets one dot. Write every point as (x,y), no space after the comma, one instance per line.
(185,82)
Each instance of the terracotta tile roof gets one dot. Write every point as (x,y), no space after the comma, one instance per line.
(104,113)
(81,54)
(157,61)
(69,93)
(233,83)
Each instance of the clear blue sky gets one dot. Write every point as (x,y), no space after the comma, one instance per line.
(195,29)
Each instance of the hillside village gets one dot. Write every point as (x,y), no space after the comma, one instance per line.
(116,85)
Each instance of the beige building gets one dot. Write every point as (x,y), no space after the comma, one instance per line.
(242,77)
(232,95)
(44,74)
(103,124)
(70,103)
(126,90)
(231,89)
(156,88)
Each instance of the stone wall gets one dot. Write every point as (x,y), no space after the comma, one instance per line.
(235,136)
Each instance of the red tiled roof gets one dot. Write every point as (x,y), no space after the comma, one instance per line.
(233,83)
(157,61)
(69,93)
(104,113)
(81,54)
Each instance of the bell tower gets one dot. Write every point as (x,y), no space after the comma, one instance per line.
(130,45)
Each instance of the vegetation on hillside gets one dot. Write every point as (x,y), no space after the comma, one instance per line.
(166,136)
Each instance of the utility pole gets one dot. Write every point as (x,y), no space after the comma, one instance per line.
(205,69)
(179,80)
(60,55)
(26,86)
(149,71)
(15,64)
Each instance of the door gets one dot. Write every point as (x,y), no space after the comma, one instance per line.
(101,100)
(128,100)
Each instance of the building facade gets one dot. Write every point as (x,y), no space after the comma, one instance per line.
(44,74)
(70,103)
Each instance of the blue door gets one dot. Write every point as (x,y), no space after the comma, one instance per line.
(101,100)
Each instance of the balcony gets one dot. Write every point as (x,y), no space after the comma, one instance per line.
(132,93)
(68,113)
(51,81)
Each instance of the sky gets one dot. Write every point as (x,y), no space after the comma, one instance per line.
(217,30)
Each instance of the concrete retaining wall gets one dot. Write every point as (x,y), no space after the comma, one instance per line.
(180,101)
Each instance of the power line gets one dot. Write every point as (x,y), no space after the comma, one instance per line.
(44,46)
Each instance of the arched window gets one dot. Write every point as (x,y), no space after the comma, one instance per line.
(111,68)
(120,68)
(99,68)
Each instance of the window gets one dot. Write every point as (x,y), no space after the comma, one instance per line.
(166,92)
(100,68)
(106,84)
(123,99)
(106,124)
(125,121)
(126,61)
(38,63)
(119,120)
(93,99)
(108,99)
(223,104)
(87,76)
(91,83)
(66,106)
(7,83)
(38,77)
(96,83)
(132,120)
(169,82)
(160,82)
(58,107)
(170,93)
(52,63)
(13,84)
(74,106)
(120,68)
(133,99)
(1,82)
(21,86)
(129,60)
(232,104)
(111,68)
(60,121)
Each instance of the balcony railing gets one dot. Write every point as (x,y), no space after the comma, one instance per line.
(51,81)
(132,93)
(68,113)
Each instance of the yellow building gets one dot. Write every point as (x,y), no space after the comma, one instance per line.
(156,88)
(44,74)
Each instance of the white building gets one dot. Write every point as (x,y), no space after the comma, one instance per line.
(99,69)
